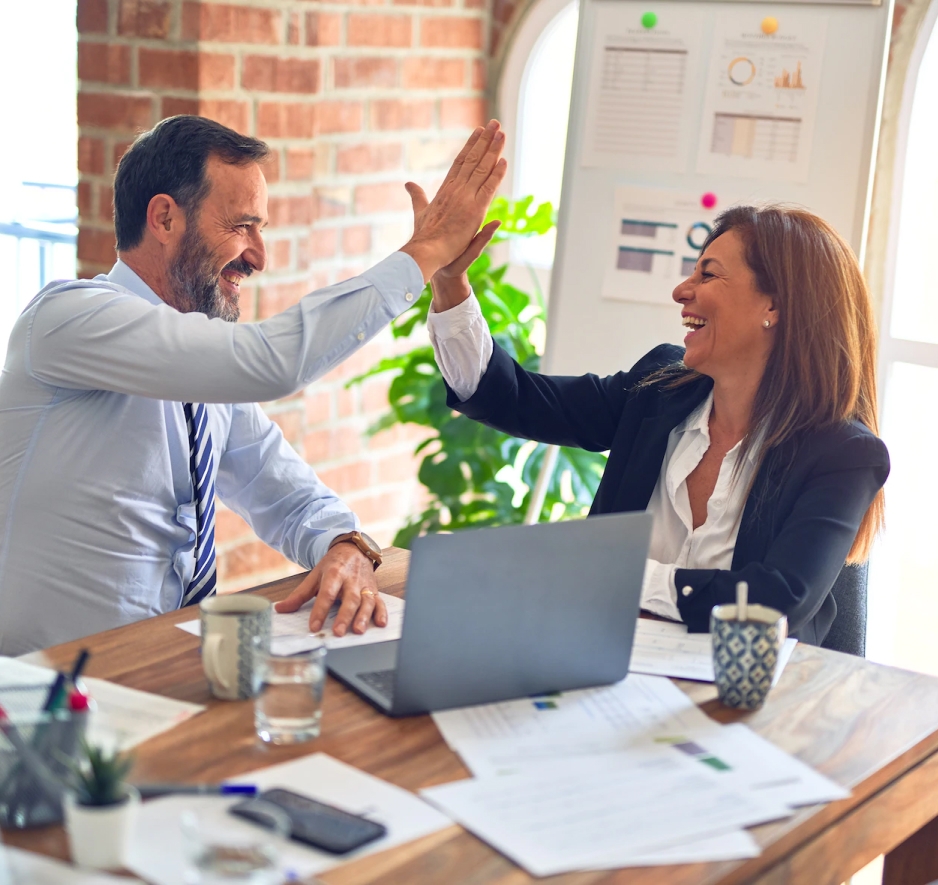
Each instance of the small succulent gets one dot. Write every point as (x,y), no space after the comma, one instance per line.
(98,776)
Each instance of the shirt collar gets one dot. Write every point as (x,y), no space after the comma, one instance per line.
(122,275)
(699,421)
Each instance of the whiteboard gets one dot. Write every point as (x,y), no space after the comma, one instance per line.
(626,186)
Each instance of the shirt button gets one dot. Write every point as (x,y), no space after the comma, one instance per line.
(687,590)
(408,296)
(360,336)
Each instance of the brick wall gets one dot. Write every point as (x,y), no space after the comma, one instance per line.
(355,99)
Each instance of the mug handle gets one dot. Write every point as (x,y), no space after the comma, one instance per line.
(211,651)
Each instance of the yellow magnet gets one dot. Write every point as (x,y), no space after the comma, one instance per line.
(769,25)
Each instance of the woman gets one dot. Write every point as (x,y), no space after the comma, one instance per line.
(754,447)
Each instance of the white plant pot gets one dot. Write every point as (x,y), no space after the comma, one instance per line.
(99,835)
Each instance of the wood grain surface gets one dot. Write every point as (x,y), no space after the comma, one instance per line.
(871,728)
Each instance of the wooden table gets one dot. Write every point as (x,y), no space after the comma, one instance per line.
(872,728)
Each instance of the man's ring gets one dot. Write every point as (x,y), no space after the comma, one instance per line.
(368,592)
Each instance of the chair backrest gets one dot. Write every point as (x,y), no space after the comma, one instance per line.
(848,632)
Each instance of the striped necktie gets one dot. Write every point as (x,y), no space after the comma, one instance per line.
(201,464)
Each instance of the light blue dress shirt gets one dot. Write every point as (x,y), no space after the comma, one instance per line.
(97,515)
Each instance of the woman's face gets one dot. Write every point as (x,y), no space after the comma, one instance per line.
(725,313)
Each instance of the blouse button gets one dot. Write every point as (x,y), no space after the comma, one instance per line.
(687,590)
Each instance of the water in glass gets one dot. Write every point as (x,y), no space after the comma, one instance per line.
(288,707)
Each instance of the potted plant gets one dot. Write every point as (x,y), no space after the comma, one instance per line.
(100,808)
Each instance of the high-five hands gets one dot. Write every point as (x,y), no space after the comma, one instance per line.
(446,228)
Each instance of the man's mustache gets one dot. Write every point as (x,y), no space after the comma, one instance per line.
(239,265)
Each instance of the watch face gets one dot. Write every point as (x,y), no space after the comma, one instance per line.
(371,543)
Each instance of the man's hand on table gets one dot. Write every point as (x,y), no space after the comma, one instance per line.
(343,573)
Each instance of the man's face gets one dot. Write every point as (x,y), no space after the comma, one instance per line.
(221,244)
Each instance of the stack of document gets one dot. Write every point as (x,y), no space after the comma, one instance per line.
(633,774)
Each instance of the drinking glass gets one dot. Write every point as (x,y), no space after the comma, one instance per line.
(288,704)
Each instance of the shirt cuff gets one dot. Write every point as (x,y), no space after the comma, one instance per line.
(450,323)
(659,594)
(324,539)
(399,280)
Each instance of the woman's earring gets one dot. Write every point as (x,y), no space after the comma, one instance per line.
(767,323)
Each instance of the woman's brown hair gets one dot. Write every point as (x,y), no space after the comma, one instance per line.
(822,368)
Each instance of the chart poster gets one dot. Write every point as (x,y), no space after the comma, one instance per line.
(640,87)
(762,95)
(655,243)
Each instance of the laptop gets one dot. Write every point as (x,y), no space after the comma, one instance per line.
(501,613)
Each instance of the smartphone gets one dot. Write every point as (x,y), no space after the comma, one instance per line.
(315,823)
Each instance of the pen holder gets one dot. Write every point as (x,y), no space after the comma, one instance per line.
(35,750)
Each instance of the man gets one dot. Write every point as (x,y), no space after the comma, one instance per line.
(128,401)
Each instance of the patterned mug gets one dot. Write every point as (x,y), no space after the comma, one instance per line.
(745,653)
(234,628)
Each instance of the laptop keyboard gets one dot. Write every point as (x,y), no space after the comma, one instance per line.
(382,681)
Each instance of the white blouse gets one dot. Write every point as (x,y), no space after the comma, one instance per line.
(463,347)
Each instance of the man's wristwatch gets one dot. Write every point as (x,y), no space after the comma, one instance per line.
(363,542)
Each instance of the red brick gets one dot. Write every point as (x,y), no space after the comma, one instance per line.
(121,113)
(462,113)
(338,116)
(294,23)
(473,4)
(346,398)
(330,444)
(301,161)
(246,559)
(268,73)
(179,69)
(374,508)
(90,155)
(323,242)
(397,468)
(437,3)
(433,73)
(220,23)
(353,477)
(84,196)
(277,297)
(104,63)
(143,18)
(432,153)
(451,32)
(96,246)
(382,197)
(280,255)
(503,11)
(318,407)
(323,29)
(105,202)
(356,73)
(379,157)
(229,526)
(234,114)
(271,166)
(379,30)
(331,202)
(479,75)
(356,240)
(395,114)
(91,16)
(290,211)
(286,120)
(375,395)
(120,148)
(290,423)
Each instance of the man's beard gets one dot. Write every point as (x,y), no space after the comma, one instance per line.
(195,283)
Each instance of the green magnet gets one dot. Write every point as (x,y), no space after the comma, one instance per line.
(649,20)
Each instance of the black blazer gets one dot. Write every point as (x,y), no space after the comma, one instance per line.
(800,518)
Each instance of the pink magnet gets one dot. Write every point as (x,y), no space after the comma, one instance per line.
(708,200)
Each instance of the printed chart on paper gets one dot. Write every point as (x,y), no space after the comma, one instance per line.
(639,89)
(762,95)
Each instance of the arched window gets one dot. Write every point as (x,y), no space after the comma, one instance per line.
(534,100)
(903,602)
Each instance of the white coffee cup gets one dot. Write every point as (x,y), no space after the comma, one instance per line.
(234,629)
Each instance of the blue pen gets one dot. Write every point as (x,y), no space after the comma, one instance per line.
(150,791)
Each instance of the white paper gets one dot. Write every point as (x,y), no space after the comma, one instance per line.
(18,867)
(501,738)
(654,237)
(663,648)
(736,845)
(762,94)
(157,845)
(640,87)
(599,812)
(290,632)
(123,718)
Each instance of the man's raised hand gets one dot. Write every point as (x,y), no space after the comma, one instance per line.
(445,226)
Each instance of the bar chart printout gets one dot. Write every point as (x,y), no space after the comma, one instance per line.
(638,96)
(761,99)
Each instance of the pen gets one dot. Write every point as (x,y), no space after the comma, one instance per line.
(79,665)
(150,791)
(55,692)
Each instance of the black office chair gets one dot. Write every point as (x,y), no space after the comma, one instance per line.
(848,632)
